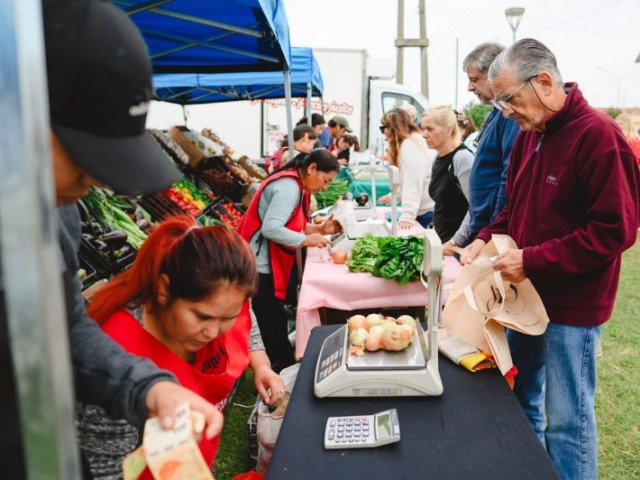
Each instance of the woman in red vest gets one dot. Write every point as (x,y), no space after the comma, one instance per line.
(184,304)
(275,225)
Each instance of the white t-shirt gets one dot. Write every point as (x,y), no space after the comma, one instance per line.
(415,161)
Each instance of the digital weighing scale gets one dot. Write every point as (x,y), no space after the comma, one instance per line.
(351,232)
(344,240)
(410,372)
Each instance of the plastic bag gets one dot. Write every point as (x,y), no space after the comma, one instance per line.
(268,424)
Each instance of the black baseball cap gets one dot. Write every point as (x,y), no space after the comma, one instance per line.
(99,77)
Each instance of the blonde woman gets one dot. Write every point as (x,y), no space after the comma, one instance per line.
(449,185)
(624,120)
(409,152)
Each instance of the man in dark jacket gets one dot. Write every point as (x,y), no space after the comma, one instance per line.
(99,79)
(489,171)
(573,208)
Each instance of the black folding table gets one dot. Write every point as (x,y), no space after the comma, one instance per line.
(475,430)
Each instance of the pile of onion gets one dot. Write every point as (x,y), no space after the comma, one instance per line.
(377,332)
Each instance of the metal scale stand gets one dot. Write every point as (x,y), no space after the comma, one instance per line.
(410,372)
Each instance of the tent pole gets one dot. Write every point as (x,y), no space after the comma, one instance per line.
(287,94)
(263,152)
(35,314)
(308,112)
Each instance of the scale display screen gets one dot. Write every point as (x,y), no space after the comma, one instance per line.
(332,354)
(384,425)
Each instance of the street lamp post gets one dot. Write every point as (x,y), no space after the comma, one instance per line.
(618,80)
(514,16)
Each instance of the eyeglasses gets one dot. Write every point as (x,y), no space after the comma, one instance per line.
(382,127)
(504,103)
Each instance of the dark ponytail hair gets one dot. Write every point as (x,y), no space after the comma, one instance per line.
(324,160)
(197,260)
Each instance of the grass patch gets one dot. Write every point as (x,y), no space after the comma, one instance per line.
(617,405)
(233,454)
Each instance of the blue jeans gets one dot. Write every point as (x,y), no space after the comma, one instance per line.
(557,376)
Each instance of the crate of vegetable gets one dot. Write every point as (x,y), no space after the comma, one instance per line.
(226,212)
(187,196)
(252,169)
(192,151)
(160,206)
(89,273)
(110,237)
(215,174)
(174,150)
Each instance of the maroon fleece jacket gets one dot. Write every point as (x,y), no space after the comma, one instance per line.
(573,208)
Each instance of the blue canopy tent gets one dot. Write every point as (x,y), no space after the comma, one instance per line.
(196,88)
(212,36)
(215,36)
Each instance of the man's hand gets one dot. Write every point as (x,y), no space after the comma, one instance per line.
(472,251)
(511,266)
(447,248)
(164,398)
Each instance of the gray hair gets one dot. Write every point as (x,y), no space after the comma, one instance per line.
(410,109)
(445,116)
(482,57)
(527,58)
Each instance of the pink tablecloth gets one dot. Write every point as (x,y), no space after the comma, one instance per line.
(325,284)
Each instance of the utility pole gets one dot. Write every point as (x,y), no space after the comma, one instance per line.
(457,70)
(421,42)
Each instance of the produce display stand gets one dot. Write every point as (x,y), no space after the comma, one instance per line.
(110,221)
(214,175)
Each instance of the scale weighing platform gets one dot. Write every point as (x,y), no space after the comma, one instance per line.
(344,240)
(410,372)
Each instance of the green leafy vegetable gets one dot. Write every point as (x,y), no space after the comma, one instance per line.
(392,258)
(332,194)
(106,210)
(363,254)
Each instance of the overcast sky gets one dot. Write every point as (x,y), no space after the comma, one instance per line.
(596,42)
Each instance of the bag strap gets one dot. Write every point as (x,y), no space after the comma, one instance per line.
(501,242)
(495,294)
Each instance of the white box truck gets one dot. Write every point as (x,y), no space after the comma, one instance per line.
(352,88)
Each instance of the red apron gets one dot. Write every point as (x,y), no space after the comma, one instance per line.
(218,364)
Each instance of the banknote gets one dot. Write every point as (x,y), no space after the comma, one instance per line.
(170,454)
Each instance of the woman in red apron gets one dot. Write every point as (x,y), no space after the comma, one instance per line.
(183,304)
(275,225)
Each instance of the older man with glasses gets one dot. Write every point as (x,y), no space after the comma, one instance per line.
(493,144)
(573,189)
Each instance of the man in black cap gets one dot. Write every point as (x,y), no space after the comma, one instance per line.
(99,79)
